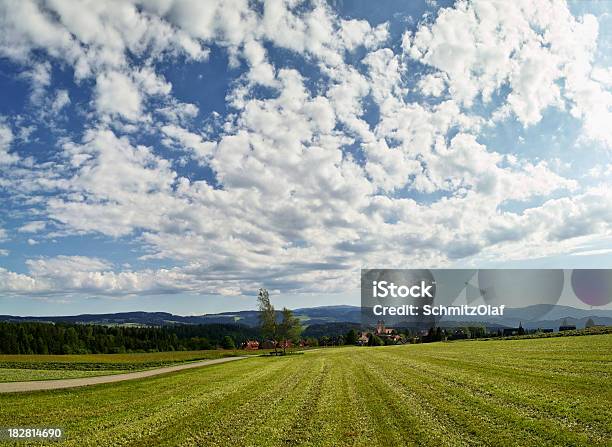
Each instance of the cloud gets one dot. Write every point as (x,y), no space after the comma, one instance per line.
(355,33)
(18,283)
(261,71)
(432,85)
(351,152)
(117,186)
(63,265)
(79,274)
(6,138)
(536,49)
(62,275)
(90,37)
(184,139)
(33,227)
(603,251)
(40,78)
(117,94)
(62,99)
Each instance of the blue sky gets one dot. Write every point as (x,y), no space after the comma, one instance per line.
(178,155)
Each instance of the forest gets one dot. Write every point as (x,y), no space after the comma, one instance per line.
(65,338)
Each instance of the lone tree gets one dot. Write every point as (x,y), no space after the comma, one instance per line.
(267,317)
(289,329)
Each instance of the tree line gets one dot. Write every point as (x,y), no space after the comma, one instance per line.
(66,338)
(70,338)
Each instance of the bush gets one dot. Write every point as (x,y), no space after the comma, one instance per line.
(228,343)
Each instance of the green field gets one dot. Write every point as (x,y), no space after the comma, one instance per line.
(25,375)
(541,392)
(14,368)
(125,359)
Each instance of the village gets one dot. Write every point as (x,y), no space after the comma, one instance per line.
(382,335)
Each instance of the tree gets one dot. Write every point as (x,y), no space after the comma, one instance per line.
(312,342)
(438,333)
(521,331)
(351,337)
(289,329)
(374,340)
(228,343)
(589,323)
(267,317)
(477,331)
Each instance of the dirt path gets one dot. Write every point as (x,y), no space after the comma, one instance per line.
(14,387)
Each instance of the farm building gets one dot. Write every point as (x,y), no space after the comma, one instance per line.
(362,340)
(250,345)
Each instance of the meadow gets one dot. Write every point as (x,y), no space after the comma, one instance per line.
(540,392)
(26,375)
(45,367)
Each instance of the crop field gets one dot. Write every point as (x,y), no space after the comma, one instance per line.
(14,368)
(540,392)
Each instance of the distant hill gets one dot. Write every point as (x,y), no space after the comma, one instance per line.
(531,317)
(543,316)
(309,316)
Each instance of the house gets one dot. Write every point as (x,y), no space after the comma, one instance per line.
(362,339)
(250,345)
(387,334)
(381,330)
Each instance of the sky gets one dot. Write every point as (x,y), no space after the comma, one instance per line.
(176,155)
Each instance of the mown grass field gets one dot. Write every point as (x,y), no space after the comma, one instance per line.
(126,359)
(15,368)
(25,375)
(541,392)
